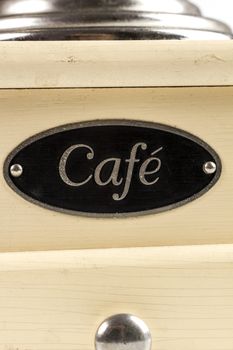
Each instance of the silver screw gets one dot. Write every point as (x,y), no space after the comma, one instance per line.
(209,168)
(16,170)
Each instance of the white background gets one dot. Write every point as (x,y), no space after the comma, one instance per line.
(219,9)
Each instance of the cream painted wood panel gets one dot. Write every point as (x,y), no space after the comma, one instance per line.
(56,300)
(115,63)
(205,112)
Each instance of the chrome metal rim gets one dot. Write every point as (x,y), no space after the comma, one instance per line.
(117,20)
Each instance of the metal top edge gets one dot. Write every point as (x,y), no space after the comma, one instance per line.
(106,20)
(23,7)
(111,26)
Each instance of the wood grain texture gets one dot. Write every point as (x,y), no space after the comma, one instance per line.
(56,300)
(205,112)
(115,63)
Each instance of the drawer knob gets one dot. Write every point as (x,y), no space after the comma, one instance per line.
(123,332)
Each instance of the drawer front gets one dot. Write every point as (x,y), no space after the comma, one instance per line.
(57,300)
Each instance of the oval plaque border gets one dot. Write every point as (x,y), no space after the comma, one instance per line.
(117,122)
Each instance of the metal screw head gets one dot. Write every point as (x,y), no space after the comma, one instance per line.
(210,168)
(123,332)
(16,170)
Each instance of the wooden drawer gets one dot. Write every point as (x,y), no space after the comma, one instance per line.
(56,300)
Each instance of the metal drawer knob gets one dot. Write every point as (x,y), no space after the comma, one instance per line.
(123,332)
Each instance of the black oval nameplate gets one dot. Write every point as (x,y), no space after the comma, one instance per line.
(112,168)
